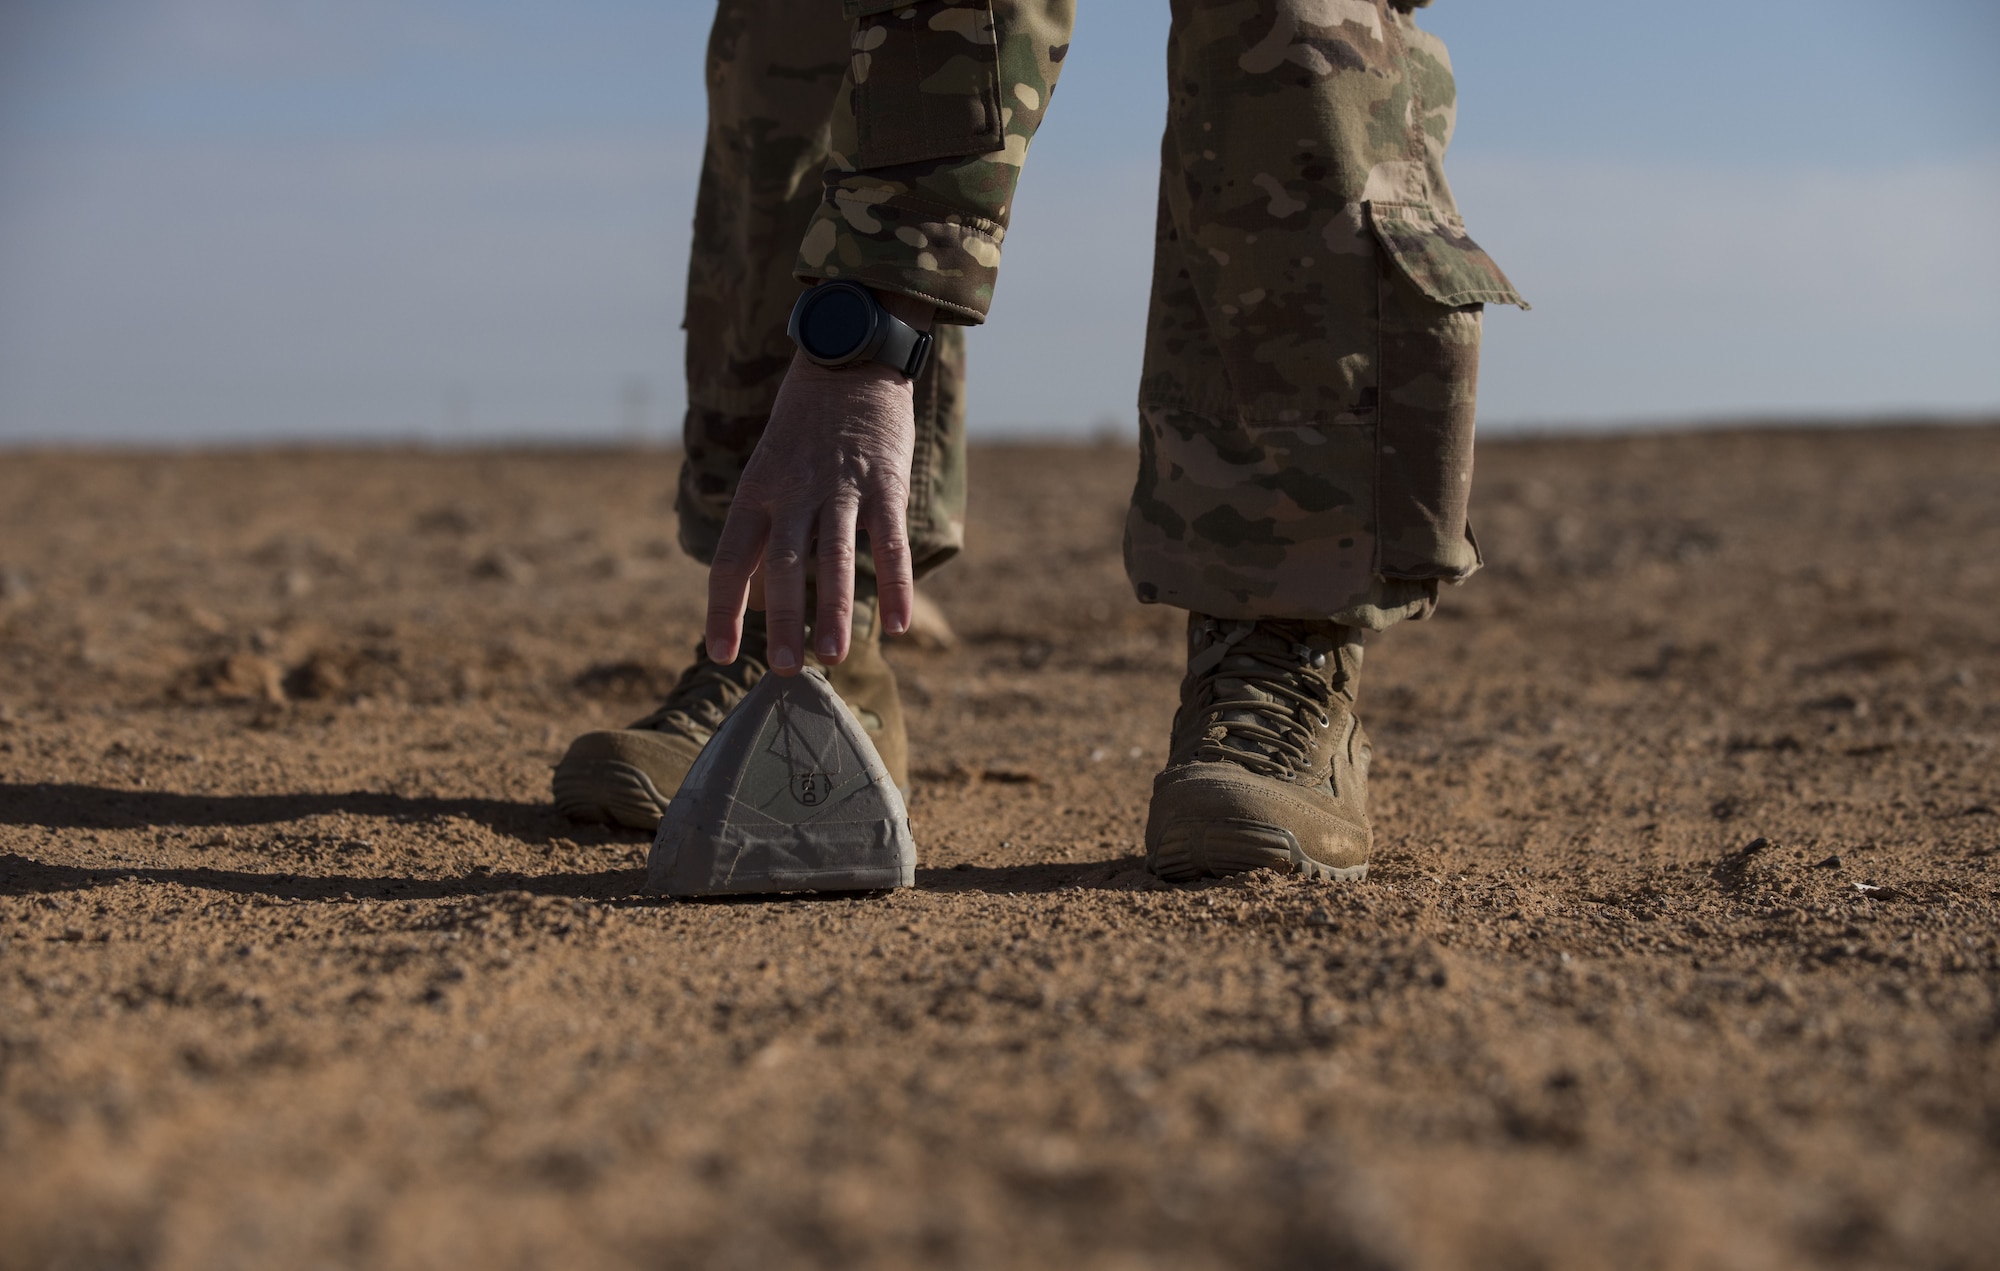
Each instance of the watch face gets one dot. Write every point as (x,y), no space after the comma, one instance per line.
(836,323)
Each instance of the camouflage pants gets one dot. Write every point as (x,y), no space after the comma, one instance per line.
(1312,347)
(1306,408)
(774,69)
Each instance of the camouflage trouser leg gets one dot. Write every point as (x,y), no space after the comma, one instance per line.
(774,68)
(1307,401)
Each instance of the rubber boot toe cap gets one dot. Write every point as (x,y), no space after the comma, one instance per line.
(1212,819)
(624,776)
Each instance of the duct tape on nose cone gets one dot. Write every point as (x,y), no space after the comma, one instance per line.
(789,795)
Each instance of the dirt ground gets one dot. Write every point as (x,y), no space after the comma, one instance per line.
(1680,948)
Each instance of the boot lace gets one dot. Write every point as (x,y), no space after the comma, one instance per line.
(704,695)
(1260,697)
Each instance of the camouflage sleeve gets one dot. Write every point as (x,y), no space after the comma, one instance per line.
(940,102)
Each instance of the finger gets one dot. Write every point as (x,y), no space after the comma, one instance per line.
(785,592)
(737,555)
(834,622)
(889,543)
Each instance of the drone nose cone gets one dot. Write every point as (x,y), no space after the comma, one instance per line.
(789,795)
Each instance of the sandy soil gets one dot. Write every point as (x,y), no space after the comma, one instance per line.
(1680,948)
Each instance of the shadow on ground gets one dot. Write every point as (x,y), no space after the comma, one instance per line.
(24,876)
(81,807)
(1127,873)
(21,876)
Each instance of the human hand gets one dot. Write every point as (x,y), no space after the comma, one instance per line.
(835,455)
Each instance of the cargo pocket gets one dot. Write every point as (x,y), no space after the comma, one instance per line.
(1439,258)
(926,81)
(1434,282)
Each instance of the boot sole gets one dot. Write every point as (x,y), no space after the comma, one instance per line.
(1217,849)
(609,790)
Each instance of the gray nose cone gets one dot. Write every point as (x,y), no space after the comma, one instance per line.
(789,795)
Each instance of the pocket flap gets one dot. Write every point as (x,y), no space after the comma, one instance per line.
(926,82)
(1445,264)
(869,8)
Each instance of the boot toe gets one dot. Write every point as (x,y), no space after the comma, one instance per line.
(624,777)
(1211,819)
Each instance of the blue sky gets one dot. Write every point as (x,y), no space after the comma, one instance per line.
(317,219)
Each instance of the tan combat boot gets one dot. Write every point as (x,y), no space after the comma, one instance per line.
(1269,768)
(627,775)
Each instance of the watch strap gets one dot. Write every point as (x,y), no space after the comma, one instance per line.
(903,346)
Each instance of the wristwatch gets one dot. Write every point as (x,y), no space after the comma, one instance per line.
(842,324)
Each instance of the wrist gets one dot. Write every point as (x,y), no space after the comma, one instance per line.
(806,371)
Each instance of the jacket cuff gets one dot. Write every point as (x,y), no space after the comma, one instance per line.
(871,234)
